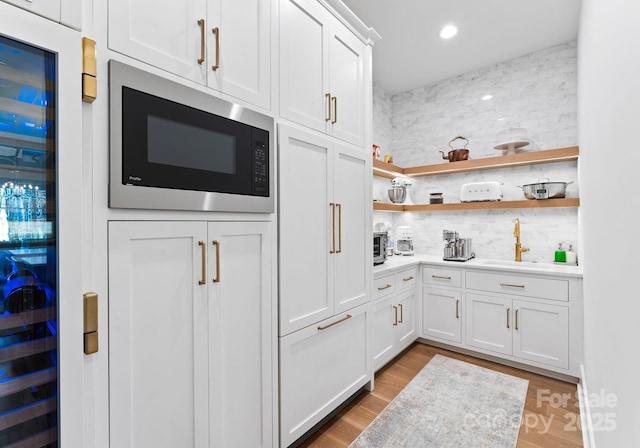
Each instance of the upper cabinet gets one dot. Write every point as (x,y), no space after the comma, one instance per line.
(322,76)
(224,44)
(66,12)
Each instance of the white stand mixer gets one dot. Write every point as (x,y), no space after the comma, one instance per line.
(406,183)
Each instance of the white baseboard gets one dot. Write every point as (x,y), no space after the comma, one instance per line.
(585,412)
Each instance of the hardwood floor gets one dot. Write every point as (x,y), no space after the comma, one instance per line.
(551,416)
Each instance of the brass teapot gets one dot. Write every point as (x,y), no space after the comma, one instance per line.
(455,155)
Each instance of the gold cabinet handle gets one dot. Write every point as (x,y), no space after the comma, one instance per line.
(511,285)
(387,286)
(201,25)
(516,319)
(339,208)
(401,313)
(441,276)
(395,311)
(508,313)
(216,33)
(333,228)
(203,250)
(408,279)
(335,110)
(328,97)
(217,244)
(348,316)
(457,309)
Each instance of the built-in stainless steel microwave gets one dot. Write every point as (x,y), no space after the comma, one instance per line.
(173,147)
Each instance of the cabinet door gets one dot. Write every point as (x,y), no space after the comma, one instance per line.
(489,322)
(46,8)
(168,37)
(541,333)
(385,321)
(441,314)
(243,38)
(320,367)
(407,332)
(304,72)
(158,336)
(240,334)
(346,80)
(306,288)
(351,194)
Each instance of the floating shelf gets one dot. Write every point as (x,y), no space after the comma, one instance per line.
(388,170)
(489,205)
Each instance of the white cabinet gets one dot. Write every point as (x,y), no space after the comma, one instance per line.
(325,249)
(322,71)
(442,304)
(394,315)
(224,44)
(320,367)
(191,331)
(67,12)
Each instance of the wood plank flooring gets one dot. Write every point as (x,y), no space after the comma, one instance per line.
(551,416)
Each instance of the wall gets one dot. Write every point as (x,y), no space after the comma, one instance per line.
(609,99)
(536,91)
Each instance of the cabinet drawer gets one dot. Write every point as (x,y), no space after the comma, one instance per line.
(383,286)
(442,276)
(320,367)
(406,279)
(519,285)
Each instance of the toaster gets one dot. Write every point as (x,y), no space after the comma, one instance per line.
(481,191)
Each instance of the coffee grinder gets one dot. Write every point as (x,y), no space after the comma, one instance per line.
(404,241)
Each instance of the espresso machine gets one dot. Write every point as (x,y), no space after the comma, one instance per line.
(404,241)
(456,249)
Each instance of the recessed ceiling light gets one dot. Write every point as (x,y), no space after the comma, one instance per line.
(448,31)
(487,97)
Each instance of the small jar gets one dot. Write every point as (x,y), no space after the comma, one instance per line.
(435,198)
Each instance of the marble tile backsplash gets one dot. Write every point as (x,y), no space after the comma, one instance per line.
(536,91)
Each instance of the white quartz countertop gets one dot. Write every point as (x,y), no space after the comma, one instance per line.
(398,262)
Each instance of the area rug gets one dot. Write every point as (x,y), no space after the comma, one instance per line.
(451,403)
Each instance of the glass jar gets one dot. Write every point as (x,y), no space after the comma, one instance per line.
(435,198)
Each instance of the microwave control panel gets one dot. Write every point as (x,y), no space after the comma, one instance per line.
(261,169)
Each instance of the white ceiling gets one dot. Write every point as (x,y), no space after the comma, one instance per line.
(411,54)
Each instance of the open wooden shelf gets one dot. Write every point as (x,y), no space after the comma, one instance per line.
(388,170)
(489,205)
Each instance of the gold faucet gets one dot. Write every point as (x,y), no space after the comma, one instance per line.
(519,248)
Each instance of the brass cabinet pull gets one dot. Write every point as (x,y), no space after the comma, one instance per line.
(508,313)
(513,286)
(401,313)
(339,207)
(217,244)
(201,25)
(395,311)
(328,97)
(335,110)
(441,276)
(457,309)
(408,279)
(348,316)
(387,286)
(516,319)
(203,249)
(333,228)
(216,32)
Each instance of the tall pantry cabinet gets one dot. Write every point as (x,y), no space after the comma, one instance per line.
(324,197)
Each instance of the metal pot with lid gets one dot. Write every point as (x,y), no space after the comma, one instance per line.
(544,189)
(455,155)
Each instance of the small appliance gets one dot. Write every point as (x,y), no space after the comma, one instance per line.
(399,191)
(481,191)
(404,241)
(456,249)
(380,243)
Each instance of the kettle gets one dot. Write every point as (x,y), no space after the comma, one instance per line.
(455,155)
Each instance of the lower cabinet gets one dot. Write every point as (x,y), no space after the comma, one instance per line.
(191,325)
(441,314)
(321,366)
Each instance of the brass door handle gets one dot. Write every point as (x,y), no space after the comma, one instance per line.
(216,33)
(516,319)
(348,316)
(328,97)
(217,277)
(201,25)
(401,313)
(333,228)
(441,276)
(508,313)
(408,279)
(457,309)
(511,285)
(387,286)
(335,110)
(395,311)
(339,208)
(203,250)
